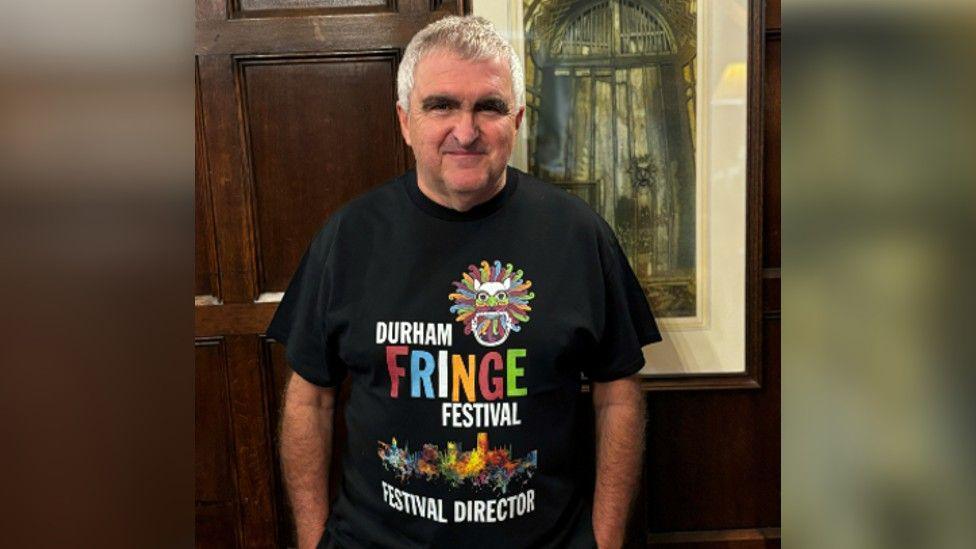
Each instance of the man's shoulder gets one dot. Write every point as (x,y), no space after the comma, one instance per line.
(378,203)
(377,200)
(549,199)
(358,216)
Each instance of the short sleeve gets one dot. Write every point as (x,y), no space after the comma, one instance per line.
(301,321)
(628,323)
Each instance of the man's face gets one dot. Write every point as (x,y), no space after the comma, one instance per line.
(461,124)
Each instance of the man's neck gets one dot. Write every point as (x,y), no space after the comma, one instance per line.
(462,202)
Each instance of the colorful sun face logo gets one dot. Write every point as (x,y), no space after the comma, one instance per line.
(491,302)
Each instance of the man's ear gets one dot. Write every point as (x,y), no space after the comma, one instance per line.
(518,118)
(404,123)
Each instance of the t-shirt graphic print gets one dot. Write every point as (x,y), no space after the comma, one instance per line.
(475,392)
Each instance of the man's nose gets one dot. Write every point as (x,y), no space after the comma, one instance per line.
(466,129)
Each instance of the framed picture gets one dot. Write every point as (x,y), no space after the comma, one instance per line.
(649,111)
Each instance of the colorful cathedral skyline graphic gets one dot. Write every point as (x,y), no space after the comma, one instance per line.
(482,467)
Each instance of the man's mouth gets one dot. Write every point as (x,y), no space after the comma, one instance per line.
(491,328)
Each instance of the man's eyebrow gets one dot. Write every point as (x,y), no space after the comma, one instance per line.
(433,100)
(492,102)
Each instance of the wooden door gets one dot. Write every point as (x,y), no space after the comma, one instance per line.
(294,117)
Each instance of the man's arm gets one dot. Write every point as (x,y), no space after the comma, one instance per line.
(306,451)
(619,409)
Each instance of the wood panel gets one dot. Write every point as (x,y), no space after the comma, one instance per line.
(774,15)
(713,458)
(252,438)
(746,538)
(216,526)
(233,228)
(215,492)
(211,10)
(314,125)
(322,33)
(771,293)
(772,121)
(293,8)
(206,282)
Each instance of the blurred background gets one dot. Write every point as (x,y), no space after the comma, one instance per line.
(96,241)
(96,211)
(878,212)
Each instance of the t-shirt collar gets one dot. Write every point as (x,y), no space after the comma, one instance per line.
(480,211)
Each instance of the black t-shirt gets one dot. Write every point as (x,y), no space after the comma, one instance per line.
(464,334)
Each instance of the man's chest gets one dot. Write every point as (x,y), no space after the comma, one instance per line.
(489,323)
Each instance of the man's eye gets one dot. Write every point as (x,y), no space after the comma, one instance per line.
(493,108)
(438,107)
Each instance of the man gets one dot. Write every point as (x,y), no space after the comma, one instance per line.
(464,300)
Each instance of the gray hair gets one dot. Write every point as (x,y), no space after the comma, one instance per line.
(471,37)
